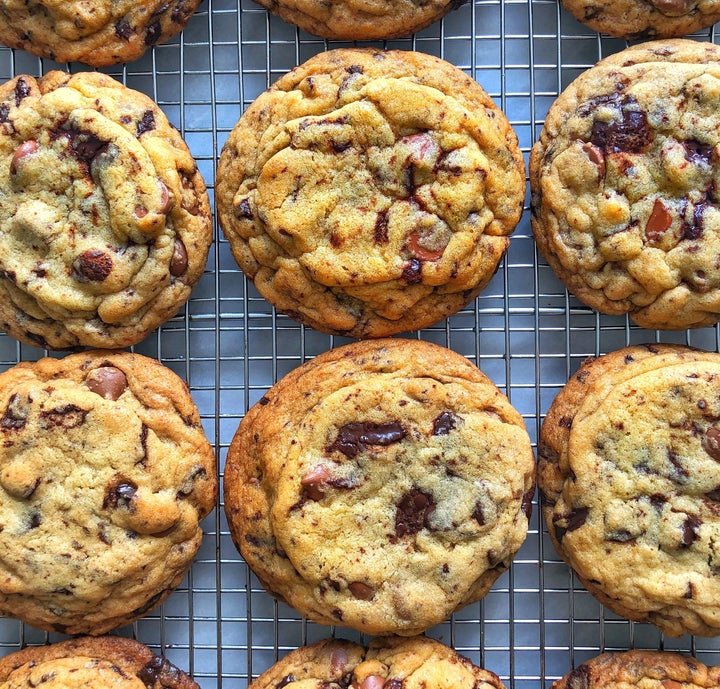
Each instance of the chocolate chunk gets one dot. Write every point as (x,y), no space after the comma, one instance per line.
(361,590)
(679,473)
(657,501)
(393,683)
(658,222)
(165,198)
(380,233)
(412,272)
(478,514)
(24,150)
(620,536)
(630,134)
(152,33)
(67,416)
(119,494)
(592,12)
(92,265)
(158,670)
(444,423)
(689,530)
(179,261)
(713,495)
(146,124)
(188,484)
(22,90)
(4,113)
(123,29)
(576,518)
(673,8)
(413,511)
(354,69)
(107,381)
(711,442)
(697,152)
(243,210)
(596,156)
(14,417)
(527,502)
(288,679)
(353,438)
(35,520)
(688,595)
(86,146)
(579,678)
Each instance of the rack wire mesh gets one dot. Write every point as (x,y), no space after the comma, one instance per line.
(524,331)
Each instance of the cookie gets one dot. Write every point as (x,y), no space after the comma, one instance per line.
(94,663)
(624,185)
(645,19)
(369,193)
(105,475)
(104,219)
(415,663)
(646,669)
(98,33)
(380,486)
(361,20)
(629,464)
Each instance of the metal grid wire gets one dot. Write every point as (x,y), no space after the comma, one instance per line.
(523,331)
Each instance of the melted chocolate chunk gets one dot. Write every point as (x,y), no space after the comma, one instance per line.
(146,124)
(107,381)
(243,210)
(630,134)
(4,113)
(689,530)
(620,536)
(35,520)
(92,266)
(444,423)
(86,146)
(354,438)
(713,495)
(288,679)
(152,33)
(380,233)
(158,669)
(697,152)
(13,418)
(576,518)
(188,484)
(179,260)
(119,495)
(657,501)
(527,503)
(22,90)
(412,272)
(579,678)
(66,416)
(123,29)
(393,683)
(413,511)
(361,590)
(711,443)
(478,515)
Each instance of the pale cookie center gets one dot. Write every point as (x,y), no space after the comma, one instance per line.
(80,671)
(360,196)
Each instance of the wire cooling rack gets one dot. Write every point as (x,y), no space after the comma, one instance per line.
(524,332)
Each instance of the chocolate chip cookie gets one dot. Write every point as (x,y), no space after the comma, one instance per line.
(624,181)
(380,486)
(105,474)
(104,218)
(645,19)
(91,663)
(361,20)
(646,669)
(630,470)
(98,33)
(369,193)
(388,663)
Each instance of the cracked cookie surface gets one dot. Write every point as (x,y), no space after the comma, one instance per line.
(380,486)
(361,20)
(105,475)
(624,182)
(369,193)
(645,19)
(109,662)
(104,218)
(643,669)
(387,663)
(98,33)
(629,464)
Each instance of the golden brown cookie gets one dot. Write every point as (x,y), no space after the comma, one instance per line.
(105,475)
(645,19)
(630,470)
(104,219)
(109,662)
(643,669)
(380,486)
(361,20)
(369,193)
(625,185)
(98,33)
(388,663)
